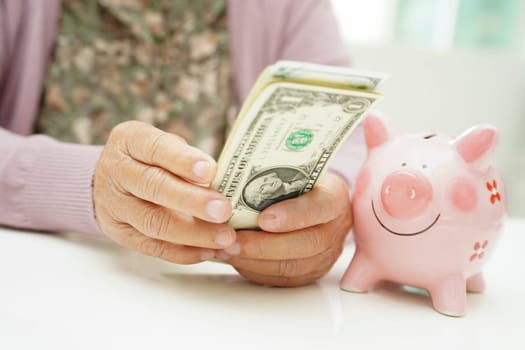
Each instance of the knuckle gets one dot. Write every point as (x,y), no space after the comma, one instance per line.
(157,145)
(314,242)
(121,130)
(316,239)
(156,221)
(153,181)
(288,268)
(120,135)
(255,246)
(153,248)
(308,244)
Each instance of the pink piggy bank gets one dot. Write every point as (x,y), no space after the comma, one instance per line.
(427,213)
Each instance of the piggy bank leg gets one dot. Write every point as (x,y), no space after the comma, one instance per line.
(476,284)
(360,276)
(449,296)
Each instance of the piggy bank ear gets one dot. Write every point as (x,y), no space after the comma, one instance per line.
(476,145)
(376,132)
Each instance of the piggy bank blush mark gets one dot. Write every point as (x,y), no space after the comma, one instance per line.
(401,202)
(463,194)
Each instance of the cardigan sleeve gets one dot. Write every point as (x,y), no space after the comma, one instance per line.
(46,185)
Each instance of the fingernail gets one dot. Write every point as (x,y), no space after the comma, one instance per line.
(270,222)
(216,209)
(224,238)
(234,249)
(222,255)
(201,169)
(207,254)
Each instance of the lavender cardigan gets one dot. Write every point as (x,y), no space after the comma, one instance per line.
(45,184)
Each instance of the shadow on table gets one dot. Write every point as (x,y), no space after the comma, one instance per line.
(213,282)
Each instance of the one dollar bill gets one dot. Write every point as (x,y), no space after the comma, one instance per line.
(292,123)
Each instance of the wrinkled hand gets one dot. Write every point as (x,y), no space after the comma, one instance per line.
(302,237)
(147,196)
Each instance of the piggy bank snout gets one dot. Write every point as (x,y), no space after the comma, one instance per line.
(405,194)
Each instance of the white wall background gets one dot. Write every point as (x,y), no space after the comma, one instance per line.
(444,90)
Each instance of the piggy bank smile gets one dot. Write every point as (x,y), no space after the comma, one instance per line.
(403,233)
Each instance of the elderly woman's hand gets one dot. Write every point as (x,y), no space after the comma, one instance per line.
(150,195)
(302,237)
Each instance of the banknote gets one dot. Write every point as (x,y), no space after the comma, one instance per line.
(291,125)
(316,74)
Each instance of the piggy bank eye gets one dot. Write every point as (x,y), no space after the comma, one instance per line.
(403,164)
(424,166)
(429,136)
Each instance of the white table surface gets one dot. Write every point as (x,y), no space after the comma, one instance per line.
(76,292)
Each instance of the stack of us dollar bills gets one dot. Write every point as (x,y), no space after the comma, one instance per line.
(292,123)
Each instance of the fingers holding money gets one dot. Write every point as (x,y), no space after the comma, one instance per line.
(303,246)
(153,147)
(161,187)
(167,225)
(287,271)
(298,244)
(149,195)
